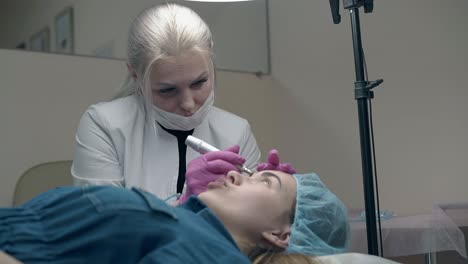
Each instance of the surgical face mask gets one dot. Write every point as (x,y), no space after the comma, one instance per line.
(178,122)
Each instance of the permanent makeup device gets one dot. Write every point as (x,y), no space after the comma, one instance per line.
(202,147)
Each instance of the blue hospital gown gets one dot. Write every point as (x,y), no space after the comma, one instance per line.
(104,224)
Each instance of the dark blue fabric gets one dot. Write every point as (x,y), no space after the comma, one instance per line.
(98,224)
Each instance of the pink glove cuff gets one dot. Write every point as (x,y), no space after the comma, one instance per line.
(184,197)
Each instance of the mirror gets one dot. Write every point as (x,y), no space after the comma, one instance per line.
(99,28)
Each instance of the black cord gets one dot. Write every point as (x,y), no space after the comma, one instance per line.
(371,124)
(376,178)
(181,137)
(365,65)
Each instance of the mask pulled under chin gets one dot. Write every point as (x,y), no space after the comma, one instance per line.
(178,122)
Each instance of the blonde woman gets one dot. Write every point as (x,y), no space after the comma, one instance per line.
(137,140)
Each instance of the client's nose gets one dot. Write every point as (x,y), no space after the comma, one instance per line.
(235,177)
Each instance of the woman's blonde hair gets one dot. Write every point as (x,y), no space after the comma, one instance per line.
(159,32)
(283,258)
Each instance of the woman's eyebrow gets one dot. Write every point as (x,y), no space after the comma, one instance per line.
(201,75)
(270,174)
(165,84)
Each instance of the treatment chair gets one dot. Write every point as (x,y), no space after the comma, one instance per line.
(7,259)
(41,178)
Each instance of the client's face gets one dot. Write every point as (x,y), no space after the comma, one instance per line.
(252,204)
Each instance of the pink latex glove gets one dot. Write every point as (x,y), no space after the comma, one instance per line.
(273,163)
(208,168)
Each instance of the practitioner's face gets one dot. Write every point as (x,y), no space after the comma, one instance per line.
(181,84)
(252,205)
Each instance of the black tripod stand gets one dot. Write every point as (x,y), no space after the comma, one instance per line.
(363,95)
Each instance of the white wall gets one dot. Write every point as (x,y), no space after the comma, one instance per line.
(306,109)
(43,97)
(419,48)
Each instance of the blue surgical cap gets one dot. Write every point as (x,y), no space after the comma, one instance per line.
(321,220)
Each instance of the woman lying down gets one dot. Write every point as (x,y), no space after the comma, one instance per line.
(234,220)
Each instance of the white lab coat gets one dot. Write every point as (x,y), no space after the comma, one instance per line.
(118,144)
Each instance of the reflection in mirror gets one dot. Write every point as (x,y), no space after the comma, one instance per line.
(99,28)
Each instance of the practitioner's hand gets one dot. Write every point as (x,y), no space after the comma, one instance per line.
(208,168)
(273,163)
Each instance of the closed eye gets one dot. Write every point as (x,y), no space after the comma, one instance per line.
(199,82)
(166,91)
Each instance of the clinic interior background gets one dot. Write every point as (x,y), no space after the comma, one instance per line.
(305,108)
